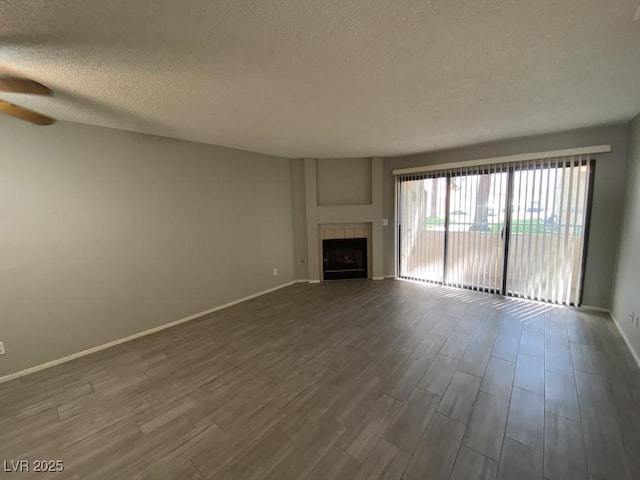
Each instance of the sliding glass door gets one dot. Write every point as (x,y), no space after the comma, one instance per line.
(516,228)
(547,230)
(452,228)
(475,237)
(422,233)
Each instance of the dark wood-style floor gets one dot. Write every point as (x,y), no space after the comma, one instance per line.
(343,380)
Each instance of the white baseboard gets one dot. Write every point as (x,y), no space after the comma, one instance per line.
(37,368)
(389,276)
(302,280)
(596,309)
(318,281)
(624,336)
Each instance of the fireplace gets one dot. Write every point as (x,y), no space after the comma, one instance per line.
(344,258)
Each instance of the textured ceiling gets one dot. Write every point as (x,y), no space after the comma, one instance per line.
(328,78)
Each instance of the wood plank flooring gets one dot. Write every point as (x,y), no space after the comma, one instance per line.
(342,380)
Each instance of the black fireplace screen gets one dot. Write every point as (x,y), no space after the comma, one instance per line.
(344,258)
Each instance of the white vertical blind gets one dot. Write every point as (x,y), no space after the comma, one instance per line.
(454,228)
(475,247)
(422,208)
(548,216)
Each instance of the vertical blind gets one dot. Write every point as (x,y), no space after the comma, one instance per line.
(547,241)
(515,228)
(476,227)
(423,227)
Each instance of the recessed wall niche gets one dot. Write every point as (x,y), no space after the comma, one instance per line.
(344,181)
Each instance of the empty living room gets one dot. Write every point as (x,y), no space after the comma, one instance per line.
(320,240)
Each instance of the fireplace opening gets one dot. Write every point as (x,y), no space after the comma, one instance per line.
(344,258)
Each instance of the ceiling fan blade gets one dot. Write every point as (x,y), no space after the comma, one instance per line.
(25,114)
(23,85)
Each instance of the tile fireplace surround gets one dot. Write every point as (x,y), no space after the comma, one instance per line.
(347,230)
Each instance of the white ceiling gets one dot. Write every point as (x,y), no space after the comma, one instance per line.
(328,78)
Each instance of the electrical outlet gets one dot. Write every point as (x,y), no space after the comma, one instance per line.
(1,348)
(275,272)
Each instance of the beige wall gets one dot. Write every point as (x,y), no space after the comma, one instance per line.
(105,233)
(606,218)
(627,279)
(344,181)
(299,219)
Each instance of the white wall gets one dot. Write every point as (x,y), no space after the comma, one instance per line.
(105,233)
(608,197)
(626,299)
